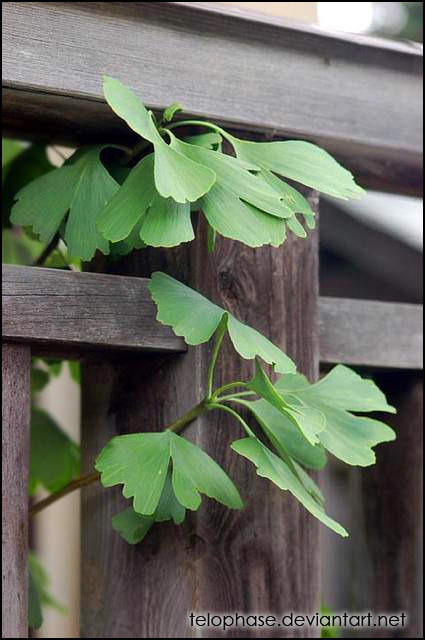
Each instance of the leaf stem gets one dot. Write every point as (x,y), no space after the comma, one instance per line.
(219,334)
(82,481)
(233,396)
(199,123)
(217,405)
(48,249)
(179,424)
(188,417)
(230,385)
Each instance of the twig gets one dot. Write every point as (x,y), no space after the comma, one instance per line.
(47,251)
(83,481)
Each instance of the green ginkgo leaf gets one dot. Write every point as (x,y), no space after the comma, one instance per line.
(166,223)
(196,318)
(270,466)
(54,457)
(80,188)
(133,526)
(282,432)
(31,163)
(211,140)
(141,463)
(176,176)
(129,203)
(300,161)
(38,594)
(347,436)
(309,420)
(234,176)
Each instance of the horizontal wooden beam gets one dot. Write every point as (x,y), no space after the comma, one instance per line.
(62,312)
(359,97)
(67,313)
(372,334)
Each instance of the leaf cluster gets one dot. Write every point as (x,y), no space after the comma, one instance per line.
(293,425)
(109,199)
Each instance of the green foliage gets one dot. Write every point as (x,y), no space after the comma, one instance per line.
(133,526)
(175,175)
(150,201)
(271,466)
(141,461)
(77,192)
(38,594)
(54,457)
(347,436)
(30,163)
(196,318)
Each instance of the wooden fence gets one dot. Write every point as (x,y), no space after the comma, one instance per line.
(358,97)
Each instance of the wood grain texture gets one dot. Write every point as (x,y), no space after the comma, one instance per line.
(359,97)
(80,313)
(387,563)
(59,311)
(16,362)
(369,333)
(263,558)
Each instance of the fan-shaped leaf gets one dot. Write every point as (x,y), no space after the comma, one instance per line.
(166,223)
(309,420)
(176,175)
(129,203)
(54,457)
(275,469)
(196,318)
(347,436)
(300,161)
(282,431)
(133,526)
(141,461)
(82,187)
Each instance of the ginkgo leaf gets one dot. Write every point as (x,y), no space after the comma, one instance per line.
(38,594)
(347,436)
(54,457)
(211,140)
(282,431)
(234,177)
(300,161)
(129,203)
(270,466)
(246,224)
(194,317)
(133,526)
(21,169)
(166,223)
(175,175)
(141,461)
(309,420)
(82,187)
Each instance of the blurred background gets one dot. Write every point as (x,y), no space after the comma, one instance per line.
(369,249)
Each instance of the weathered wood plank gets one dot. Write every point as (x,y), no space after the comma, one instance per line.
(16,362)
(263,558)
(369,333)
(388,538)
(62,311)
(358,97)
(59,311)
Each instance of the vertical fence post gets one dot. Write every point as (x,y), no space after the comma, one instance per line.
(16,361)
(388,571)
(264,558)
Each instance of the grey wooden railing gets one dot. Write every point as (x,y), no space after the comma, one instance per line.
(358,97)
